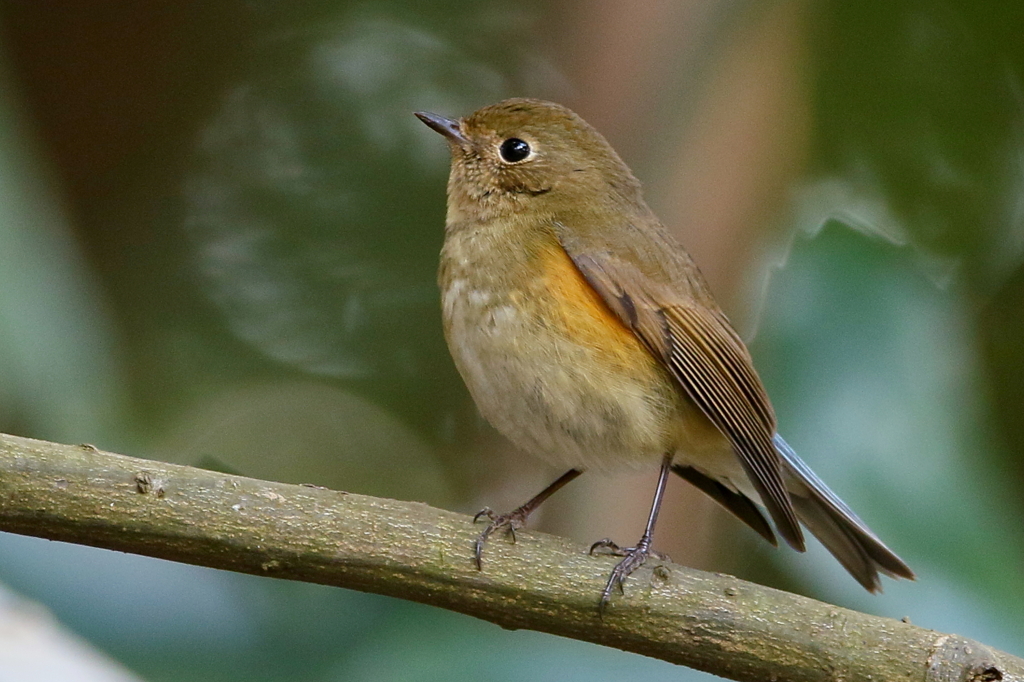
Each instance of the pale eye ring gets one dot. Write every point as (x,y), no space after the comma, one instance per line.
(514,150)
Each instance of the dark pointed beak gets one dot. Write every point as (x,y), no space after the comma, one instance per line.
(445,126)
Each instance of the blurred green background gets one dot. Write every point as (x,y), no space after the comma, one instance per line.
(219,226)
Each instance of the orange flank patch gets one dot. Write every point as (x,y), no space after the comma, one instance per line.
(584,315)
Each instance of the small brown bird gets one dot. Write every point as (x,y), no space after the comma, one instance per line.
(589,338)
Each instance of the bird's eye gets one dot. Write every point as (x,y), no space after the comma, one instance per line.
(513,150)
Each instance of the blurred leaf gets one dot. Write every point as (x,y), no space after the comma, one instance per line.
(924,97)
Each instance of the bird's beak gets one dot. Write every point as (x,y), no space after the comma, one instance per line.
(446,126)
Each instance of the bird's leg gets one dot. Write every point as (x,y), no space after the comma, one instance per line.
(634,557)
(515,519)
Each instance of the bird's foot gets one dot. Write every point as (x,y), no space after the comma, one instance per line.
(633,558)
(510,523)
(613,549)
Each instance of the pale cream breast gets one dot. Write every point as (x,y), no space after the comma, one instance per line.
(548,364)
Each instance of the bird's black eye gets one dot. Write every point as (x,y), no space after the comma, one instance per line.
(513,149)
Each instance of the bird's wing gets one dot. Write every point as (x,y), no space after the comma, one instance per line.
(698,345)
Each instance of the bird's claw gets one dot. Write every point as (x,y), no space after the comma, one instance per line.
(614,550)
(486,511)
(510,522)
(633,558)
(609,545)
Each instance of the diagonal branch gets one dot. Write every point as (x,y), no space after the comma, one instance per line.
(711,622)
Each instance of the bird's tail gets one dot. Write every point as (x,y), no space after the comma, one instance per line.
(836,526)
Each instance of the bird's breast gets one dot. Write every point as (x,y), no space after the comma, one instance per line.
(547,362)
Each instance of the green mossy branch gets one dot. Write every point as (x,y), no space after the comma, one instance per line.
(716,623)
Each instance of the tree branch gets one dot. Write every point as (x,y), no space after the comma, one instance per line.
(712,622)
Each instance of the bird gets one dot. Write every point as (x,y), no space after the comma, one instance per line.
(587,336)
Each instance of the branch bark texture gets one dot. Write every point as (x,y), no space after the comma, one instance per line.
(409,550)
